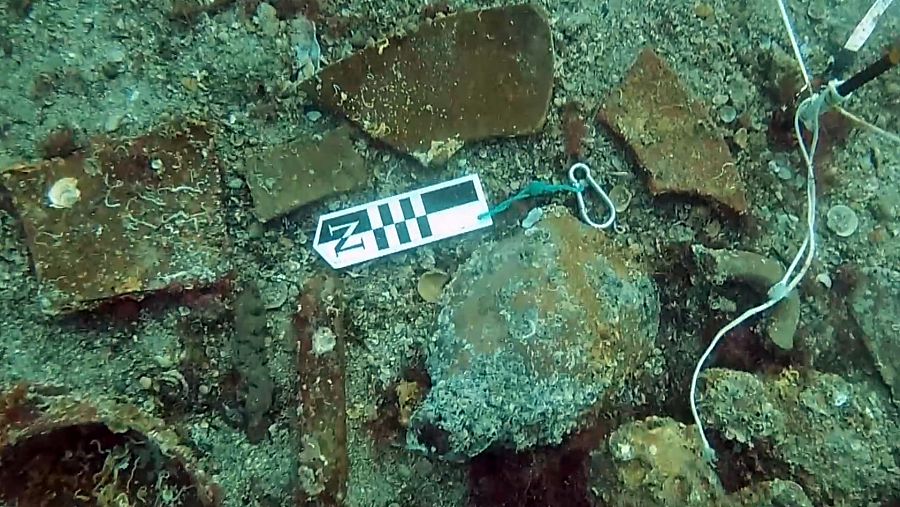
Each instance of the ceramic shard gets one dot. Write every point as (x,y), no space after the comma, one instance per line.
(461,78)
(323,458)
(670,135)
(124,217)
(304,171)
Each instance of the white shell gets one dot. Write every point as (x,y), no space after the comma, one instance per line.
(64,193)
(842,220)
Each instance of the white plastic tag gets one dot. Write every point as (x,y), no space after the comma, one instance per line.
(866,25)
(402,222)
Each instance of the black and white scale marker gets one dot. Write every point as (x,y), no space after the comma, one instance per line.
(404,221)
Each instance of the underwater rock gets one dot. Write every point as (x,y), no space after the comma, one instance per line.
(774,493)
(536,331)
(130,217)
(459,78)
(761,273)
(671,135)
(875,307)
(837,439)
(78,452)
(659,462)
(302,172)
(654,462)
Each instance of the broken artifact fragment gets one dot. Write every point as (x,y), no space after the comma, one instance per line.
(761,273)
(464,77)
(323,458)
(874,305)
(669,133)
(124,217)
(302,172)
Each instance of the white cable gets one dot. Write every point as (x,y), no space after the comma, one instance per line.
(809,109)
(807,113)
(796,47)
(890,136)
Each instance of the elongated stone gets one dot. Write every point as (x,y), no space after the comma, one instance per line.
(323,461)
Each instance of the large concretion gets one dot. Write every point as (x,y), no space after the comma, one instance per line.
(537,331)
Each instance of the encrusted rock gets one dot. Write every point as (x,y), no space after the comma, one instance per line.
(836,439)
(659,462)
(774,493)
(654,462)
(537,330)
(875,306)
(60,449)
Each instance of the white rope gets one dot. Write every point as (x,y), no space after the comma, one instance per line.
(807,111)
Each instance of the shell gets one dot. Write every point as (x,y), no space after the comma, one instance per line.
(64,193)
(431,285)
(621,196)
(842,220)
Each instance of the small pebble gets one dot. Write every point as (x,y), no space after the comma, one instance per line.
(323,341)
(235,183)
(113,121)
(313,115)
(533,217)
(817,10)
(703,10)
(887,204)
(146,383)
(742,138)
(431,285)
(64,193)
(842,220)
(164,362)
(115,56)
(720,99)
(784,173)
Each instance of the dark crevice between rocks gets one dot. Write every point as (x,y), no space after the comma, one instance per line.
(389,425)
(739,465)
(547,477)
(557,476)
